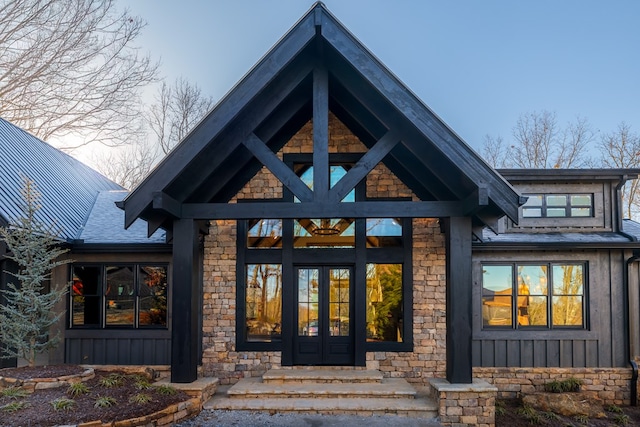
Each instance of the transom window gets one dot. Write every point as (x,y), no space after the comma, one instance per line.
(549,295)
(558,206)
(119,295)
(269,251)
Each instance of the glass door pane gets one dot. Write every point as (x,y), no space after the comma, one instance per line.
(339,284)
(308,314)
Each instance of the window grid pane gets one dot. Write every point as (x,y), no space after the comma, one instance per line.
(263,302)
(548,295)
(120,296)
(558,206)
(497,289)
(384,303)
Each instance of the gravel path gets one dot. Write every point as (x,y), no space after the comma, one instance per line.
(211,418)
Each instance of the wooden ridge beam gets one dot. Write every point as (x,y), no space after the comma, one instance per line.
(368,209)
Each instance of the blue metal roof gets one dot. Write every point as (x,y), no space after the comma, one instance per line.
(71,192)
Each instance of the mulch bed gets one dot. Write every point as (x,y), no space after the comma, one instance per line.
(40,411)
(512,417)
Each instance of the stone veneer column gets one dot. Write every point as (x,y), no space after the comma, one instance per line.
(465,404)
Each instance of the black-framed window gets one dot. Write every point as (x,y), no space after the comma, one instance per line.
(384,244)
(576,205)
(534,295)
(384,304)
(263,302)
(118,295)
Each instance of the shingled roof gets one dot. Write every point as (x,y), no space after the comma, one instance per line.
(79,200)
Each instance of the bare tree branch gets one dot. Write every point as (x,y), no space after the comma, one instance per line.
(495,152)
(621,149)
(176,111)
(70,67)
(538,143)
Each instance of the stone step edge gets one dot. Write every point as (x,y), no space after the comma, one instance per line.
(321,375)
(393,388)
(338,405)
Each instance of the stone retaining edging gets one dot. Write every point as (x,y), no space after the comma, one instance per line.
(32,384)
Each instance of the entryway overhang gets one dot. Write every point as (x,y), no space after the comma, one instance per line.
(318,67)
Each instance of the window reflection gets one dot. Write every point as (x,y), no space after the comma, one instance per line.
(546,295)
(384,232)
(264,302)
(264,233)
(384,302)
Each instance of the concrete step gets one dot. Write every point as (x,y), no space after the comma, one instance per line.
(389,388)
(419,407)
(327,375)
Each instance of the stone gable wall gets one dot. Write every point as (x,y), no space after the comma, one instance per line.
(220,357)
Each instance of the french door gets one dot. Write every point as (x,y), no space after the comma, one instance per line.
(323,332)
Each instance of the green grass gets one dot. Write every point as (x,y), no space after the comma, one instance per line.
(621,419)
(76,389)
(582,419)
(14,393)
(143,384)
(14,406)
(615,409)
(63,404)
(167,390)
(140,398)
(105,402)
(562,386)
(112,380)
(552,416)
(530,415)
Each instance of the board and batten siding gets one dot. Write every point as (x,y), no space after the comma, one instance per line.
(600,344)
(118,347)
(112,346)
(603,209)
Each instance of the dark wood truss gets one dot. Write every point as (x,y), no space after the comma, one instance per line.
(317,67)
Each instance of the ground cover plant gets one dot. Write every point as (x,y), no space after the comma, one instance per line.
(512,413)
(107,397)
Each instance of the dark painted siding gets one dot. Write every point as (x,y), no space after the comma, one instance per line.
(600,344)
(118,347)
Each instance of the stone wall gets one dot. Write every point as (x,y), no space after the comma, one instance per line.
(428,359)
(612,385)
(465,404)
(220,357)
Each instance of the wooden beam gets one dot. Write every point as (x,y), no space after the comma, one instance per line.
(417,113)
(167,204)
(186,290)
(476,200)
(371,209)
(251,85)
(281,171)
(293,114)
(320,134)
(459,298)
(365,165)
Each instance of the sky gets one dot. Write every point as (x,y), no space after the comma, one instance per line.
(478,65)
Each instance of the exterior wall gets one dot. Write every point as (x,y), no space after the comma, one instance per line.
(220,357)
(600,344)
(111,346)
(604,212)
(428,359)
(612,385)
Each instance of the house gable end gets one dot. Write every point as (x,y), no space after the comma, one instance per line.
(319,67)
